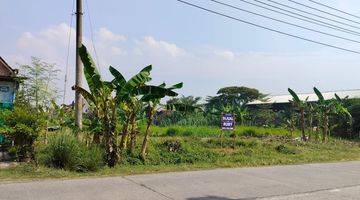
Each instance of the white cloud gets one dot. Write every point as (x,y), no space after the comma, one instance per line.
(117,51)
(106,35)
(228,55)
(148,45)
(49,43)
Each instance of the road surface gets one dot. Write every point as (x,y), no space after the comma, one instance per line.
(338,181)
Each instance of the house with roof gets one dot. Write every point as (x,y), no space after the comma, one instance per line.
(8,84)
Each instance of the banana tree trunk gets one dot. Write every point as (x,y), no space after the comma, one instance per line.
(310,128)
(302,112)
(111,149)
(326,128)
(147,134)
(96,138)
(110,139)
(132,134)
(124,135)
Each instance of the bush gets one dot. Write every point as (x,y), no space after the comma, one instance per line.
(173,146)
(64,151)
(92,159)
(22,126)
(187,133)
(286,149)
(249,133)
(172,132)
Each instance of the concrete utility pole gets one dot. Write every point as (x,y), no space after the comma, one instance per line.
(79,66)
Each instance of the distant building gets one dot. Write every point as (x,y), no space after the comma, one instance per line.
(8,84)
(281,102)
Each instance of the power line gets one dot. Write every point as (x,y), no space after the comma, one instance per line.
(304,18)
(267,28)
(332,8)
(68,52)
(92,36)
(285,22)
(316,15)
(310,7)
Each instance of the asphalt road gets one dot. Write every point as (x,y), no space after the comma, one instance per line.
(338,181)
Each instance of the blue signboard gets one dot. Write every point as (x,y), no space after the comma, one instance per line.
(227,122)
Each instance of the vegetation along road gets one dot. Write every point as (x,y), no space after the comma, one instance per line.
(312,181)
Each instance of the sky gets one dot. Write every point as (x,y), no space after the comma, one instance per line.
(203,50)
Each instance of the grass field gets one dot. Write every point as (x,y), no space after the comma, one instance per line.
(208,131)
(203,149)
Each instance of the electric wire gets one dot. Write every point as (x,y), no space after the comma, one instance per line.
(285,22)
(68,52)
(92,36)
(303,17)
(267,28)
(328,13)
(316,15)
(332,8)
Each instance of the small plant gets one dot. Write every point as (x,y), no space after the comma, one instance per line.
(92,158)
(22,126)
(249,133)
(187,133)
(173,146)
(172,132)
(286,149)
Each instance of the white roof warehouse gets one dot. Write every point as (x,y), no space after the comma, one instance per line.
(283,99)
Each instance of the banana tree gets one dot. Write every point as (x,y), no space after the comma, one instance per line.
(126,93)
(301,106)
(242,114)
(327,108)
(342,110)
(153,99)
(311,111)
(104,103)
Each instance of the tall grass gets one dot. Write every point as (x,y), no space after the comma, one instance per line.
(212,131)
(65,151)
(175,153)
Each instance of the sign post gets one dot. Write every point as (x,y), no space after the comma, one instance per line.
(227,123)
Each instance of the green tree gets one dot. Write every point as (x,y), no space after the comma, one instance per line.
(327,108)
(184,104)
(235,98)
(106,104)
(235,95)
(301,106)
(153,99)
(39,87)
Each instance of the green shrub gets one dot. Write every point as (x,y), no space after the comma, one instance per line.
(92,158)
(22,125)
(187,133)
(252,143)
(249,133)
(173,146)
(285,149)
(172,132)
(64,151)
